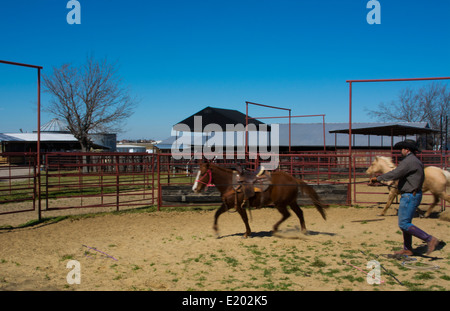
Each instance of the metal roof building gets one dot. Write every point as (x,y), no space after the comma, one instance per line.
(26,142)
(320,136)
(365,135)
(54,137)
(130,148)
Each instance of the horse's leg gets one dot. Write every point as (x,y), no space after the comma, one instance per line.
(435,202)
(298,211)
(392,195)
(443,196)
(220,211)
(243,213)
(285,215)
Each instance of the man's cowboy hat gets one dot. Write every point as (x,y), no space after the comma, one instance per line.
(407,144)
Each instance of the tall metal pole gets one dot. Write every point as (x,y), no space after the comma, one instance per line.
(290,131)
(446,132)
(349,201)
(441,142)
(446,141)
(246,131)
(39,144)
(323,127)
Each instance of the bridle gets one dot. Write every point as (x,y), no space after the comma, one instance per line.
(208,184)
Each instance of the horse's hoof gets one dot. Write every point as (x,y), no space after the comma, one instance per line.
(216,232)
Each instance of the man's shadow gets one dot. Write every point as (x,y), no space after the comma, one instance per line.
(422,249)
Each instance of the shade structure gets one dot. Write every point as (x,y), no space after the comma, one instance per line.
(221,117)
(389,130)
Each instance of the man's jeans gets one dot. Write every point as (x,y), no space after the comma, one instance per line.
(407,208)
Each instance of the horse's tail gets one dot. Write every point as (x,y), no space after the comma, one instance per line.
(308,190)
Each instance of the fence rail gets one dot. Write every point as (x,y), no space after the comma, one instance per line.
(76,180)
(314,167)
(117,180)
(18,182)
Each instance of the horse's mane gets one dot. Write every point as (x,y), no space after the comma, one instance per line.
(224,169)
(388,161)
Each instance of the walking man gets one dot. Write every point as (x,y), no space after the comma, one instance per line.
(410,175)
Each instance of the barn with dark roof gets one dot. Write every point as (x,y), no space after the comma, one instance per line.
(308,136)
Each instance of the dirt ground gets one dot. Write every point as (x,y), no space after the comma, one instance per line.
(178,250)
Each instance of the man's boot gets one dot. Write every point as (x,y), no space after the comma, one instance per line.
(407,245)
(432,242)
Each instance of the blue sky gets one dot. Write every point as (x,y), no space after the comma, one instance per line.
(178,57)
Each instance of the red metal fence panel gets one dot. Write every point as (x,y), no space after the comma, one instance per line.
(18,182)
(318,167)
(98,180)
(76,180)
(121,180)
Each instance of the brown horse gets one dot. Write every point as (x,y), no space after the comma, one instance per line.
(436,181)
(282,192)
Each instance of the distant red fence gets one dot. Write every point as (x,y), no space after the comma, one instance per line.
(124,180)
(18,182)
(76,180)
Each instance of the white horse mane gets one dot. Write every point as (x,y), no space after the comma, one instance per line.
(387,160)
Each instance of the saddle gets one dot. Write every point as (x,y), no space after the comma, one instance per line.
(251,182)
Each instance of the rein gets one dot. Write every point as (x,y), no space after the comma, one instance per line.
(365,182)
(209,184)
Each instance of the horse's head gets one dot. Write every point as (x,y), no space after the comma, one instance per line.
(373,167)
(203,178)
(380,165)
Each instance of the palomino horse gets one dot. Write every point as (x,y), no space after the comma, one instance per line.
(282,192)
(436,181)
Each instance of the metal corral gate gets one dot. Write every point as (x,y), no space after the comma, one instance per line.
(76,180)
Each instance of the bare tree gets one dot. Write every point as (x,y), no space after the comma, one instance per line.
(426,104)
(90,98)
